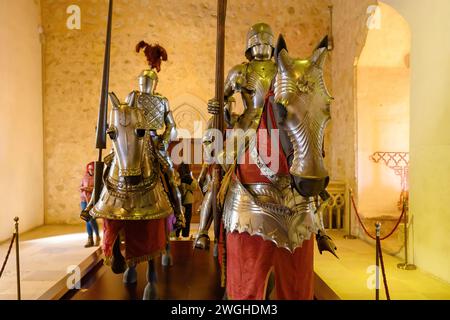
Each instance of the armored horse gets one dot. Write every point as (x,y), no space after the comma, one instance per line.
(271,214)
(133,201)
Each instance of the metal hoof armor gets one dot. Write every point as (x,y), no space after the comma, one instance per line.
(130,276)
(202,242)
(166,260)
(150,292)
(325,243)
(118,265)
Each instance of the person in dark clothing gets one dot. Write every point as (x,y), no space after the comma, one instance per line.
(187,188)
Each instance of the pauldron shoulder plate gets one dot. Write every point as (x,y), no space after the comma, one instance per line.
(236,77)
(131,98)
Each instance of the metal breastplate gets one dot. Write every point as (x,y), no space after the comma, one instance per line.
(154,108)
(259,76)
(144,201)
(281,216)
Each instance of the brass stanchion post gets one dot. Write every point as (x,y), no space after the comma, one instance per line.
(16,219)
(406,265)
(377,262)
(349,236)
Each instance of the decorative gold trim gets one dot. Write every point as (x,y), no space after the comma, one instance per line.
(130,172)
(121,190)
(134,261)
(107,260)
(118,215)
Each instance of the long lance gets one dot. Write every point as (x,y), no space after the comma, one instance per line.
(219,118)
(100,143)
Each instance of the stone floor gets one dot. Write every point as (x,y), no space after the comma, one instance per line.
(348,277)
(194,275)
(45,254)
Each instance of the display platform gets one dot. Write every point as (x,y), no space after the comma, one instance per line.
(194,275)
(47,252)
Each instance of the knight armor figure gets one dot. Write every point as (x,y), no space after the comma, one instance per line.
(254,80)
(206,182)
(134,202)
(158,116)
(270,213)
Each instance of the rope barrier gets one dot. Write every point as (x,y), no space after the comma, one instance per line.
(380,253)
(7,254)
(365,229)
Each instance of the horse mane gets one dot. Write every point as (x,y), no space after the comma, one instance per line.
(154,54)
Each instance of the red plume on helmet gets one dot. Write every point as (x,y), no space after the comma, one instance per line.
(154,54)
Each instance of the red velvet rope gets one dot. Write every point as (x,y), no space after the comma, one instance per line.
(367,232)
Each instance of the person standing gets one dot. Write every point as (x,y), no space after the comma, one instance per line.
(86,189)
(188,186)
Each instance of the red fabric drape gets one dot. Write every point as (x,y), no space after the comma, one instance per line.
(250,173)
(143,238)
(250,259)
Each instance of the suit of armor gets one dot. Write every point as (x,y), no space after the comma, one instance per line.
(269,219)
(158,116)
(206,182)
(253,79)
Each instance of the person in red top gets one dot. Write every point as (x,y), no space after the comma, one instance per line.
(86,188)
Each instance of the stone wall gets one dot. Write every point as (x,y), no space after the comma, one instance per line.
(383,125)
(429,134)
(187,29)
(349,31)
(383,104)
(21,155)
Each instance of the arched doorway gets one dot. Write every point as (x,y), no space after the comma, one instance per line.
(382,75)
(191,118)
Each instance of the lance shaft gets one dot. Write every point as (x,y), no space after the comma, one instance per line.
(220,62)
(100,142)
(218,119)
(219,95)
